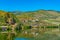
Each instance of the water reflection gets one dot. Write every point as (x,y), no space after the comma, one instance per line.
(23,38)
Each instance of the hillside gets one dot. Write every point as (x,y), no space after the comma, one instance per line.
(44,17)
(32,18)
(7,18)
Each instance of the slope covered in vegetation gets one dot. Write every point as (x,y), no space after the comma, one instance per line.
(44,17)
(7,18)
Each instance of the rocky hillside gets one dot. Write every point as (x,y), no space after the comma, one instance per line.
(7,18)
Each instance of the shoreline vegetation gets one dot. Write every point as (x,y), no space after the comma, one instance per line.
(39,25)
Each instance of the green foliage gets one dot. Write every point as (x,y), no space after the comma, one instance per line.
(27,27)
(52,27)
(3,36)
(18,28)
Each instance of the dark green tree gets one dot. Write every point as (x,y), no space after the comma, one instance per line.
(18,27)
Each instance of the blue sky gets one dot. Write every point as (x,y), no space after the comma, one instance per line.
(29,5)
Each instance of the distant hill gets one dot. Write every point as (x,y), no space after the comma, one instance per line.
(44,17)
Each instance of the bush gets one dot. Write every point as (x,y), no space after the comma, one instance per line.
(27,27)
(18,28)
(52,26)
